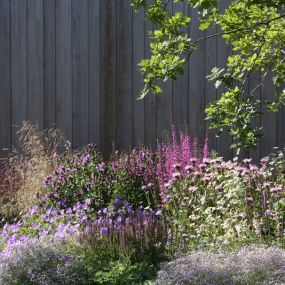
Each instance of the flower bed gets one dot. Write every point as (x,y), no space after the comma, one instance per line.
(114,222)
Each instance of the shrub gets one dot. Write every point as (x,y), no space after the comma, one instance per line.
(249,265)
(136,171)
(85,175)
(224,202)
(207,206)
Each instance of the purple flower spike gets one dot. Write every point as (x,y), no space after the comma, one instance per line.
(48,180)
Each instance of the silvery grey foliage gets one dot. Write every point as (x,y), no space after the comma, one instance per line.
(40,262)
(250,265)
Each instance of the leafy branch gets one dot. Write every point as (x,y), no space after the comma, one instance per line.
(255,31)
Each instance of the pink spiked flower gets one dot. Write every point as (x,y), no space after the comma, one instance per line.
(206,148)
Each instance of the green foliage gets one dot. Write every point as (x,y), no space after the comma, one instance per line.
(254,29)
(234,113)
(106,268)
(169,47)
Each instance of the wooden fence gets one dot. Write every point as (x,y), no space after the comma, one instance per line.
(73,64)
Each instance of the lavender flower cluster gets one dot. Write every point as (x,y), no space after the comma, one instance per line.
(43,262)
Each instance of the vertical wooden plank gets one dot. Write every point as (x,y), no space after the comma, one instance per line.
(268,119)
(180,96)
(63,67)
(244,153)
(35,61)
(254,80)
(164,100)
(5,72)
(210,91)
(150,100)
(108,76)
(223,52)
(280,132)
(79,44)
(49,64)
(94,72)
(196,67)
(138,54)
(164,111)
(124,75)
(18,66)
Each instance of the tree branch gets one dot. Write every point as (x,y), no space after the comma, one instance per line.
(165,5)
(240,30)
(260,83)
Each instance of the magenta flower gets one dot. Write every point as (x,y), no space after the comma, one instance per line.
(276,189)
(268,213)
(192,189)
(176,175)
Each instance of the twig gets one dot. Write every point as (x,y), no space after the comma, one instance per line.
(260,83)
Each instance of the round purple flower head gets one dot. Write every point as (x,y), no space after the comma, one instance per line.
(101,167)
(85,158)
(104,231)
(144,188)
(168,198)
(118,202)
(268,213)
